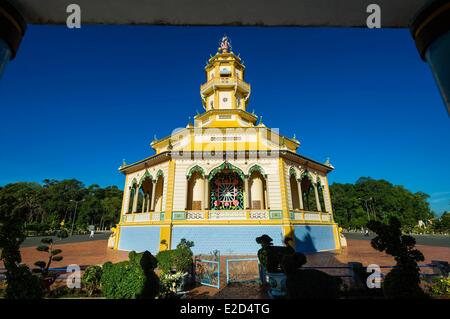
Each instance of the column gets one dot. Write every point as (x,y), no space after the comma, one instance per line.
(316,193)
(300,193)
(13,27)
(135,199)
(247,193)
(206,189)
(152,201)
(430,30)
(143,203)
(267,192)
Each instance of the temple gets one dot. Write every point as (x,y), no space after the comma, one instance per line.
(225,179)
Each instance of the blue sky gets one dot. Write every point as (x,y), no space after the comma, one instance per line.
(74,103)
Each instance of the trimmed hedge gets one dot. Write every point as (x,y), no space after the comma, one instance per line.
(132,279)
(91,279)
(179,259)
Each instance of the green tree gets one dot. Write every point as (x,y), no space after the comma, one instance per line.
(369,199)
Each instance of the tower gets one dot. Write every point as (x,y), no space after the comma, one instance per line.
(225,91)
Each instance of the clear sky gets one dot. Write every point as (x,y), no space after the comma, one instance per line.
(74,103)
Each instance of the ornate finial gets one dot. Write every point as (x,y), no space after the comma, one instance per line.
(282,141)
(124,163)
(328,163)
(253,111)
(225,45)
(154,138)
(294,138)
(189,123)
(260,120)
(196,110)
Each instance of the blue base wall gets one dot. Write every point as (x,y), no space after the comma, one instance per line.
(310,238)
(229,240)
(139,238)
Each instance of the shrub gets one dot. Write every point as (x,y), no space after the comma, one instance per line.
(132,279)
(440,287)
(179,259)
(22,284)
(403,281)
(91,279)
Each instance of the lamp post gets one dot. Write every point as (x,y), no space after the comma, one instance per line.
(75,213)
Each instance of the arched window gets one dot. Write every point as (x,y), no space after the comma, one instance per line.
(159,186)
(258,196)
(196,191)
(309,199)
(140,202)
(145,191)
(321,197)
(131,198)
(294,192)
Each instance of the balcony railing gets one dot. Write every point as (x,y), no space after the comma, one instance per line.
(142,217)
(244,214)
(311,216)
(225,81)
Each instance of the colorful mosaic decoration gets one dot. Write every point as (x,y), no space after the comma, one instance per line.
(227,191)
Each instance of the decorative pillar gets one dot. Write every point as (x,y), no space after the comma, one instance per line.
(12,30)
(316,194)
(206,189)
(135,199)
(247,193)
(267,192)
(186,204)
(143,203)
(152,201)
(430,30)
(300,193)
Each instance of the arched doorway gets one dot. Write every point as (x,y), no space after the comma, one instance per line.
(257,190)
(309,200)
(158,200)
(131,197)
(294,192)
(146,189)
(196,191)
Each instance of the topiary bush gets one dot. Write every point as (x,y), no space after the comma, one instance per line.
(92,279)
(177,260)
(403,281)
(22,284)
(440,287)
(132,279)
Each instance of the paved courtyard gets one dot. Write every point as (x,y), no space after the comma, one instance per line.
(96,252)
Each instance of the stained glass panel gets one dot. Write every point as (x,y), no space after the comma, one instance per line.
(226,191)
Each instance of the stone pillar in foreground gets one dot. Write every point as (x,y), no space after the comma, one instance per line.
(12,30)
(431,32)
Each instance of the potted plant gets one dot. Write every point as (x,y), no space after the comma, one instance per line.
(178,262)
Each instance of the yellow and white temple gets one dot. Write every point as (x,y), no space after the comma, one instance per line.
(226,179)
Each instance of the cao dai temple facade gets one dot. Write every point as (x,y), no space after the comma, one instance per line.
(226,179)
